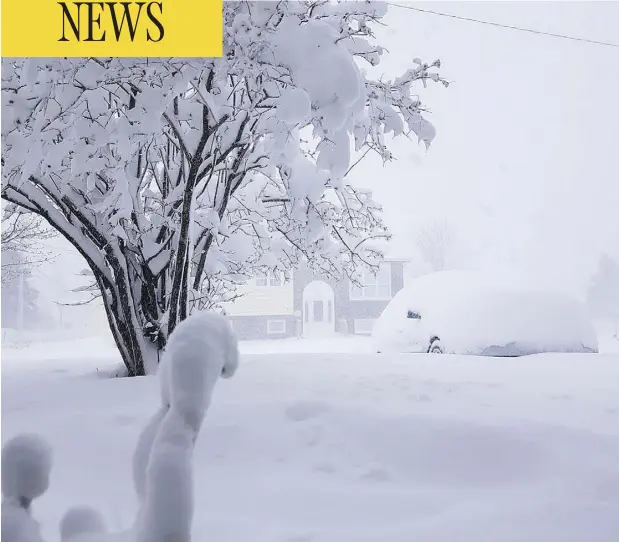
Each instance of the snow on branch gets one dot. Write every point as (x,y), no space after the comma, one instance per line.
(173,175)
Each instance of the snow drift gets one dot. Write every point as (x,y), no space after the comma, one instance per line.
(201,349)
(476,313)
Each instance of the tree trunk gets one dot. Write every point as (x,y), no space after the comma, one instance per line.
(139,354)
(116,276)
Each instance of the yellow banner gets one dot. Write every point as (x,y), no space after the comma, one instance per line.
(164,28)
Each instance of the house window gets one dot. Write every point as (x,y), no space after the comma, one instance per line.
(276,327)
(363,326)
(270,279)
(373,286)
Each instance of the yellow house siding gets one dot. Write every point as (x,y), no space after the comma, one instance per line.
(262,300)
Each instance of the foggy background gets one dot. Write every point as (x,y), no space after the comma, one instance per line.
(524,172)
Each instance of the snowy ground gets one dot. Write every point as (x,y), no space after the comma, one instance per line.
(324,442)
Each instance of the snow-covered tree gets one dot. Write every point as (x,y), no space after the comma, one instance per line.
(603,291)
(19,296)
(23,233)
(435,243)
(175,177)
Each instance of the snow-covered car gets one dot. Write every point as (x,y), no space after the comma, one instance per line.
(465,312)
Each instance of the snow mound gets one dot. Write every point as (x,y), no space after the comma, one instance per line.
(81,520)
(142,451)
(512,323)
(485,314)
(17,525)
(201,349)
(26,465)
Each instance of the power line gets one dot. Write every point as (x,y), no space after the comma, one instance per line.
(511,27)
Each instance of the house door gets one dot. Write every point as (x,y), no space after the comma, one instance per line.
(318,309)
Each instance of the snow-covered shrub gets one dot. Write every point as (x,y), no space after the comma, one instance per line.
(176,178)
(81,521)
(18,525)
(202,348)
(26,466)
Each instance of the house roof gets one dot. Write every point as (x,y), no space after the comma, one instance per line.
(394,252)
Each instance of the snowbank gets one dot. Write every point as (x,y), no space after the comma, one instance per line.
(350,447)
(201,349)
(477,313)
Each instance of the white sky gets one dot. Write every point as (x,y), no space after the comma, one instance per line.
(525,166)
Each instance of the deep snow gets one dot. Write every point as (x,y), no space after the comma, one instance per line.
(200,351)
(319,446)
(477,312)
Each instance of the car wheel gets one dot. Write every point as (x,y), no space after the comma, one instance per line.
(435,346)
